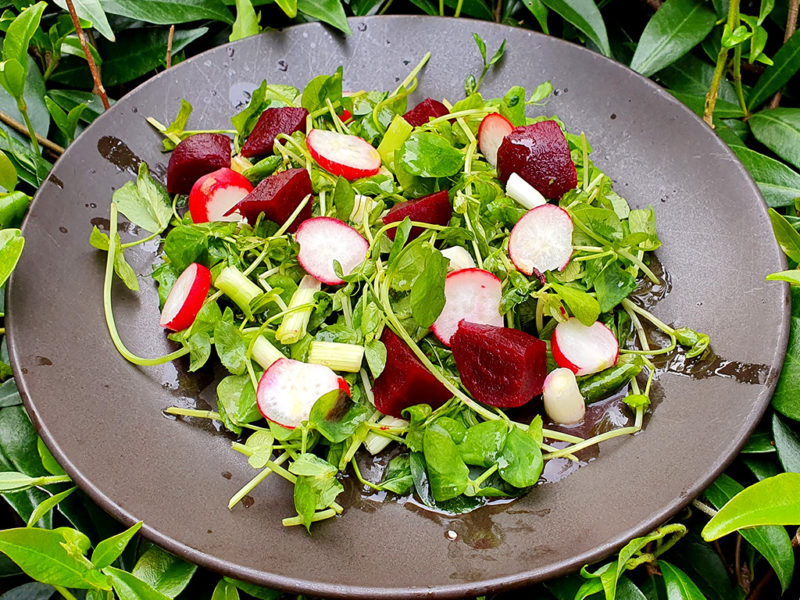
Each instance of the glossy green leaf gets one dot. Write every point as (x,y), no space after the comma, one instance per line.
(448,474)
(427,154)
(164,572)
(772,501)
(337,417)
(771,541)
(677,583)
(255,591)
(11,245)
(586,17)
(246,23)
(787,236)
(144,203)
(169,12)
(8,173)
(92,11)
(225,590)
(34,99)
(50,556)
(677,27)
(779,130)
(109,550)
(30,591)
(327,11)
(539,11)
(20,32)
(786,400)
(785,64)
(289,7)
(787,443)
(130,587)
(779,184)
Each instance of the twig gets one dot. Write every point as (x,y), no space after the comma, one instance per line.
(737,561)
(756,591)
(796,539)
(720,67)
(498,11)
(655,4)
(722,557)
(14,124)
(791,27)
(92,66)
(169,45)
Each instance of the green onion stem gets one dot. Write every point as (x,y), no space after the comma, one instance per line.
(318,516)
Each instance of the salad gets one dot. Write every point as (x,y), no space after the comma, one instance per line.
(379,278)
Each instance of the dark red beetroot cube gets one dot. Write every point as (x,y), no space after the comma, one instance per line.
(538,153)
(424,111)
(277,197)
(272,122)
(405,381)
(195,156)
(434,209)
(499,366)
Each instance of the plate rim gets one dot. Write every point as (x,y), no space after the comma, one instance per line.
(509,582)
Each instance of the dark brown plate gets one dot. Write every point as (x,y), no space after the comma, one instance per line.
(102,417)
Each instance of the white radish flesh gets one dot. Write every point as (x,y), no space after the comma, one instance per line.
(186,297)
(459,258)
(584,350)
(289,388)
(523,192)
(472,295)
(541,240)
(491,132)
(340,154)
(563,402)
(323,240)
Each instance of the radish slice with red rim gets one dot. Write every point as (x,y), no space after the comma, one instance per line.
(584,350)
(491,132)
(216,193)
(472,295)
(186,298)
(288,390)
(340,154)
(323,240)
(541,240)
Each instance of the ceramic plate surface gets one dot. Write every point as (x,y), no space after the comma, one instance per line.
(102,417)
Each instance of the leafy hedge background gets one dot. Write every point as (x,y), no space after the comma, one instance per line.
(732,62)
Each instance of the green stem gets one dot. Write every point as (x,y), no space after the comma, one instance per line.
(318,516)
(737,80)
(109,313)
(141,241)
(64,592)
(608,435)
(357,471)
(458,8)
(23,108)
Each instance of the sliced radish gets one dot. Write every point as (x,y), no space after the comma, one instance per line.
(215,194)
(563,401)
(491,132)
(541,240)
(186,297)
(342,154)
(584,350)
(472,295)
(523,192)
(289,388)
(459,258)
(323,240)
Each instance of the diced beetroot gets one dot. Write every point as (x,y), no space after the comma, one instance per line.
(194,157)
(538,153)
(273,121)
(499,366)
(404,380)
(424,111)
(434,209)
(277,197)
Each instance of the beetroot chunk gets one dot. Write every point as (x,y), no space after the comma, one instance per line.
(434,209)
(277,197)
(194,157)
(273,121)
(404,380)
(538,153)
(499,366)
(424,111)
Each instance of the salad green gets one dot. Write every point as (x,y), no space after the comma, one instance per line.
(264,307)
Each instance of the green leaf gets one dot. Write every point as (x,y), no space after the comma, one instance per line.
(8,173)
(13,77)
(224,589)
(786,400)
(772,501)
(327,11)
(110,549)
(343,198)
(427,291)
(792,276)
(11,245)
(29,591)
(447,473)
(787,236)
(231,347)
(677,583)
(539,11)
(785,64)
(255,591)
(145,203)
(33,95)
(677,27)
(246,23)
(375,353)
(612,285)
(483,443)
(169,12)
(47,505)
(163,571)
(771,541)
(337,417)
(427,154)
(779,130)
(289,7)
(51,556)
(20,32)
(236,398)
(586,17)
(129,587)
(320,89)
(520,460)
(67,123)
(92,11)
(9,395)
(581,304)
(397,477)
(185,245)
(13,207)
(779,184)
(787,443)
